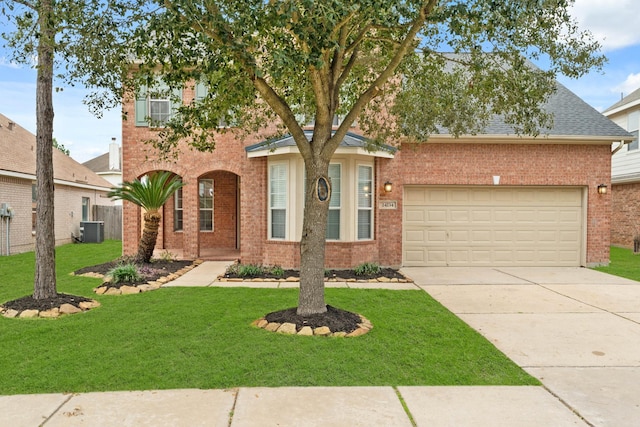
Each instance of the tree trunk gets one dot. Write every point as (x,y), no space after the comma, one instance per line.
(45,276)
(149,236)
(312,244)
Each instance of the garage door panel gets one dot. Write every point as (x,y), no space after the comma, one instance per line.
(493,226)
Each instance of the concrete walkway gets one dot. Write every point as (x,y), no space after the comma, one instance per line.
(577,330)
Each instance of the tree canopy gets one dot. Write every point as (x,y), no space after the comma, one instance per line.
(307,60)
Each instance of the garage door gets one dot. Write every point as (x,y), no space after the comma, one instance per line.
(492,226)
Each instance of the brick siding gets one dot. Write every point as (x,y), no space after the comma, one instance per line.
(625,223)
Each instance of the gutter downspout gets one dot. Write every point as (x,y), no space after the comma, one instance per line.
(619,147)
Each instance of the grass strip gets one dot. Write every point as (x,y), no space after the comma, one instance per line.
(201,338)
(624,263)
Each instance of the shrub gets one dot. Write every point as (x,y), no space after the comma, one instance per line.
(124,273)
(245,270)
(167,256)
(367,269)
(277,271)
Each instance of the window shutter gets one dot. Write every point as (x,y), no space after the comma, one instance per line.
(176,101)
(141,113)
(201,91)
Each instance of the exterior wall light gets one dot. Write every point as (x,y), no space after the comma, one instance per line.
(602,189)
(388,186)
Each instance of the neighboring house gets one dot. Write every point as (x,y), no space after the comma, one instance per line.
(108,166)
(625,173)
(77,189)
(494,199)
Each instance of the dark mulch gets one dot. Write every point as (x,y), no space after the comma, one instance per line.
(149,271)
(335,319)
(28,303)
(331,274)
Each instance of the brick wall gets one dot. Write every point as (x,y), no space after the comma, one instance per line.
(516,164)
(68,212)
(625,215)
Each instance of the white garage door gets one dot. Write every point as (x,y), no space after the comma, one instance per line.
(492,226)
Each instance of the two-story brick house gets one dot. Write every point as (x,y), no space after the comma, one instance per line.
(625,172)
(487,200)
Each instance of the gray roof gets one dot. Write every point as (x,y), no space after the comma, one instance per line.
(350,140)
(633,96)
(572,117)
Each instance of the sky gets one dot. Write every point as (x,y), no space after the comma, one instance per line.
(613,24)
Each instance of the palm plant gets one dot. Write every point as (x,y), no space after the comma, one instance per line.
(150,193)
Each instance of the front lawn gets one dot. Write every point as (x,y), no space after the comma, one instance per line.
(624,263)
(201,338)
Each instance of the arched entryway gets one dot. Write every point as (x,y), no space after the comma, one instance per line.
(218,215)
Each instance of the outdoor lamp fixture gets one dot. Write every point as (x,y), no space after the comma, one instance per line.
(602,189)
(388,186)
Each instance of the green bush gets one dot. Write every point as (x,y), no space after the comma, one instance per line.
(125,273)
(277,271)
(367,269)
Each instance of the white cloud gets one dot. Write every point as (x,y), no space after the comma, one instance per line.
(631,83)
(613,23)
(4,62)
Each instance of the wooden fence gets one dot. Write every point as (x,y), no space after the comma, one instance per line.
(112,217)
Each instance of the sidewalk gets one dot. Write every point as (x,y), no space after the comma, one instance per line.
(576,330)
(293,407)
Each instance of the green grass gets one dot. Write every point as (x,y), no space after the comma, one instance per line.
(201,338)
(623,263)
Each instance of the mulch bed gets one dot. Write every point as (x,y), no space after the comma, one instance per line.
(342,275)
(149,271)
(28,303)
(335,319)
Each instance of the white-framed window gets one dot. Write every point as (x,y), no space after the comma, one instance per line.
(156,105)
(278,201)
(633,124)
(205,194)
(365,203)
(159,108)
(177,210)
(335,204)
(85,209)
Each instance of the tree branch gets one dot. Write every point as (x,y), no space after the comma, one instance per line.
(383,78)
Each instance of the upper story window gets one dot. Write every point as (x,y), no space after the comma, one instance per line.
(201,92)
(155,106)
(633,124)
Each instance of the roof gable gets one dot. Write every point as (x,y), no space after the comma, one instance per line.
(18,147)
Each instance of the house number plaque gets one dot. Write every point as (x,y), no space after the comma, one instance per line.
(323,190)
(388,204)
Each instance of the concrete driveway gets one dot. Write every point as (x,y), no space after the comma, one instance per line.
(575,329)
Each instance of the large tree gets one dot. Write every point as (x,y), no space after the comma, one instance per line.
(73,42)
(379,62)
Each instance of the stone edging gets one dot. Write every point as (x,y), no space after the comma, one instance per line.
(294,279)
(145,287)
(51,313)
(290,328)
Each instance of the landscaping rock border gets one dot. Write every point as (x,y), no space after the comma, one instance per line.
(51,313)
(290,329)
(108,288)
